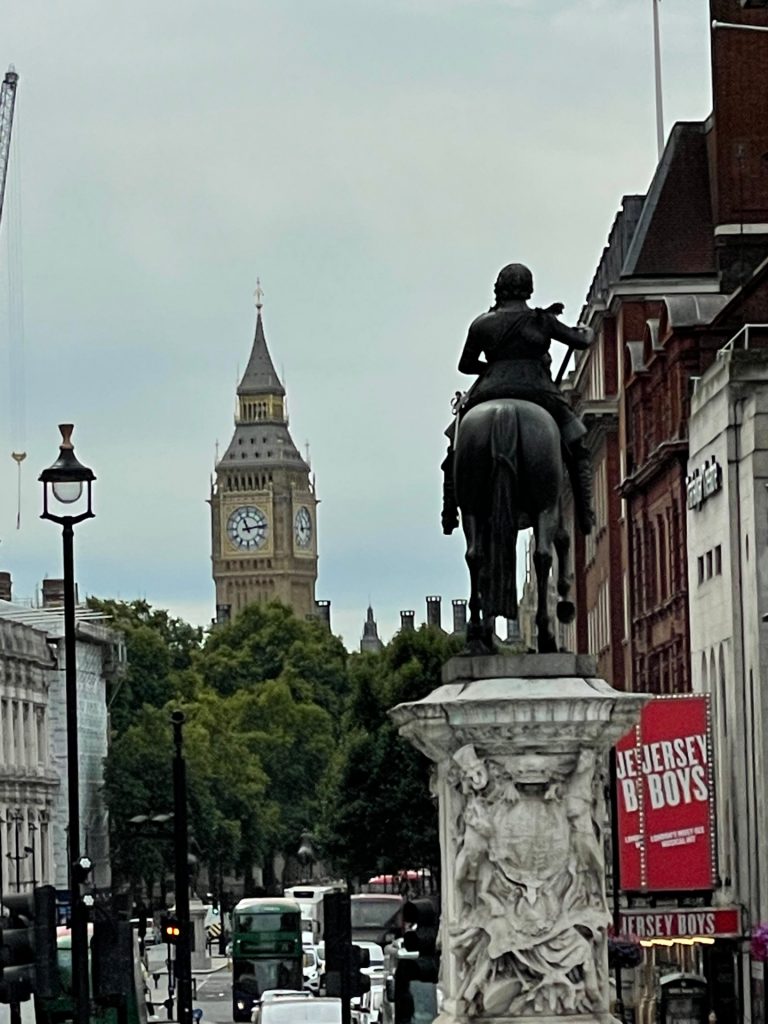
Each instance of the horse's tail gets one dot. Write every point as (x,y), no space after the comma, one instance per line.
(502,535)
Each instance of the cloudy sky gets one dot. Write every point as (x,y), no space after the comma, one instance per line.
(374,162)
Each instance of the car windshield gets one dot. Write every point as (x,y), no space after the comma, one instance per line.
(374,913)
(375,953)
(265,922)
(256,976)
(305,1011)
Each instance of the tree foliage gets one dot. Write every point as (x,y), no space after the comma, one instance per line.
(379,814)
(284,732)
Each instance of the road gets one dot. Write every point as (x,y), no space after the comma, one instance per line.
(214,989)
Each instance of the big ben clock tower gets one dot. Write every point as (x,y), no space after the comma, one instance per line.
(263,504)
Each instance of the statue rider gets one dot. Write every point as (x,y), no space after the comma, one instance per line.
(514,338)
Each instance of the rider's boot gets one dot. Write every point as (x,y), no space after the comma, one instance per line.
(580,472)
(450,513)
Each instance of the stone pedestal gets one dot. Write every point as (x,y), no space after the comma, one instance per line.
(201,961)
(519,745)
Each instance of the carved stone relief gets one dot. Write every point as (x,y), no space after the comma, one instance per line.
(528,935)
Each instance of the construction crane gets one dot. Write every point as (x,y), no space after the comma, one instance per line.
(7,104)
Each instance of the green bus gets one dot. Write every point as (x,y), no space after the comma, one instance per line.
(266,951)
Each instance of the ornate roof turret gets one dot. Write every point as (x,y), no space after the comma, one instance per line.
(370,641)
(261,438)
(260,377)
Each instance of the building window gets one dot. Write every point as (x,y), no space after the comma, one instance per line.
(718,560)
(42,746)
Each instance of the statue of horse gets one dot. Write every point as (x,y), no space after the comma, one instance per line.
(508,475)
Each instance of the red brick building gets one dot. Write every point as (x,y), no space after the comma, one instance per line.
(666,295)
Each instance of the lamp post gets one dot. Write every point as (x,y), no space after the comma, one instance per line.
(17,857)
(306,854)
(181,851)
(32,851)
(2,860)
(66,478)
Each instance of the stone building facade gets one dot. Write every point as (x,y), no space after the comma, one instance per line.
(659,304)
(34,814)
(666,597)
(29,779)
(727,514)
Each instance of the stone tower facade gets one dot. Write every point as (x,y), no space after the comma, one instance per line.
(263,504)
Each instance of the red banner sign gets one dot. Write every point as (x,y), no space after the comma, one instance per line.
(666,799)
(677,923)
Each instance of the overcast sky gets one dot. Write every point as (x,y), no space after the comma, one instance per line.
(374,162)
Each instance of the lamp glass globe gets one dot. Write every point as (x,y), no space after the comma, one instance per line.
(67,491)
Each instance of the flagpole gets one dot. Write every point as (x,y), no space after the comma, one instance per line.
(657,76)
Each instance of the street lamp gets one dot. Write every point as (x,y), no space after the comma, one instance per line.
(746,28)
(31,850)
(17,818)
(66,478)
(306,854)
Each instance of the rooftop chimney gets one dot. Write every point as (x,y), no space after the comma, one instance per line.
(5,586)
(459,616)
(324,613)
(53,594)
(434,616)
(406,621)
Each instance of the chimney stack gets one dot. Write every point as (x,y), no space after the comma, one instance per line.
(5,586)
(324,613)
(53,594)
(434,615)
(406,621)
(459,616)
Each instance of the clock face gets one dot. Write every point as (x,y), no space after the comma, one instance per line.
(302,528)
(247,528)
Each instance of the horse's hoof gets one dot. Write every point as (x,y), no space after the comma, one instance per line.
(547,644)
(566,612)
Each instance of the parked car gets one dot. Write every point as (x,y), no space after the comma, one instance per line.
(301,1011)
(275,995)
(375,954)
(311,970)
(367,1009)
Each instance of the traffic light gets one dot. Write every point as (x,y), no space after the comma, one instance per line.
(358,959)
(337,935)
(169,929)
(28,957)
(111,959)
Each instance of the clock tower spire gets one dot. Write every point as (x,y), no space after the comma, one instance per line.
(263,505)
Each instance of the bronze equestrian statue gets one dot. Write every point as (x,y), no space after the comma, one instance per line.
(513,432)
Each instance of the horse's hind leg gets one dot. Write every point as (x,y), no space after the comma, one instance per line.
(566,610)
(545,533)
(473,560)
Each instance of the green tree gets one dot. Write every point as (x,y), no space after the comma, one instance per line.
(263,698)
(160,654)
(378,813)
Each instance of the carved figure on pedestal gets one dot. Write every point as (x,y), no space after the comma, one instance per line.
(513,433)
(529,884)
